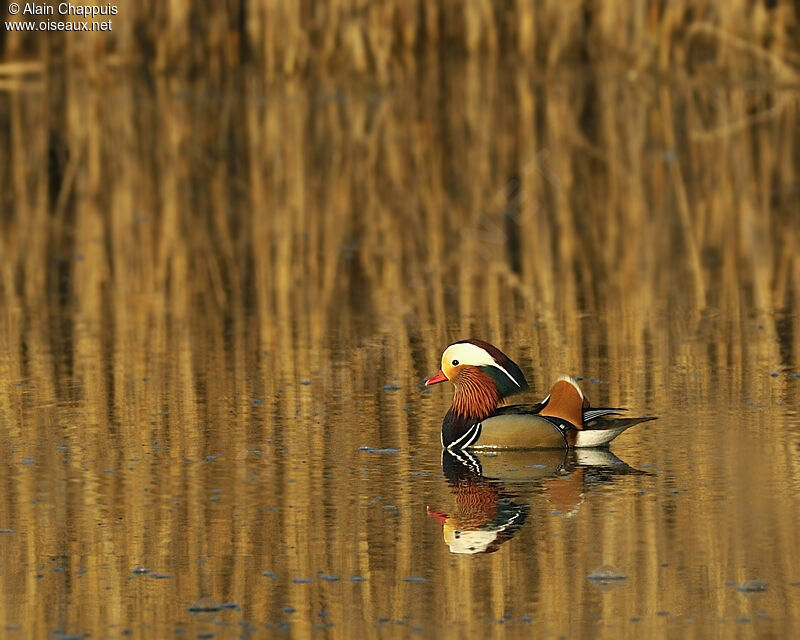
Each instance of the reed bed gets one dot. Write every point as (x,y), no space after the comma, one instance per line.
(378,39)
(177,245)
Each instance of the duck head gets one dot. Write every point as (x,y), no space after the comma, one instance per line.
(482,375)
(482,516)
(487,539)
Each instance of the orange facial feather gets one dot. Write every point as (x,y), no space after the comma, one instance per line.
(476,393)
(476,503)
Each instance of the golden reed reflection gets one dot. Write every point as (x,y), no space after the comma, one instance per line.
(212,285)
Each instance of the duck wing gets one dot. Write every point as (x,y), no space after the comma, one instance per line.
(603,423)
(590,414)
(582,425)
(532,408)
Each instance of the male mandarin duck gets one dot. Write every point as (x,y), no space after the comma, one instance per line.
(483,515)
(484,376)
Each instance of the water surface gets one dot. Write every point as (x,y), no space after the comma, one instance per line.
(219,301)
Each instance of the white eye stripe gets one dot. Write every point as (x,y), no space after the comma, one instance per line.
(468,353)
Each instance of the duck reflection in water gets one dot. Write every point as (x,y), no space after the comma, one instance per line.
(485,514)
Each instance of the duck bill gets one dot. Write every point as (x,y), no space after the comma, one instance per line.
(439,377)
(437,515)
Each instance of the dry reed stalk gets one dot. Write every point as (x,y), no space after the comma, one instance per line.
(379,39)
(782,71)
(335,242)
(687,228)
(21,68)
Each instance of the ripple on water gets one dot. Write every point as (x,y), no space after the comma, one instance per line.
(607,577)
(754,585)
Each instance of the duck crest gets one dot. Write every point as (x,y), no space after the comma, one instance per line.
(504,372)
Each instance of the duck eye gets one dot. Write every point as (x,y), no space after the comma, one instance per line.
(454,363)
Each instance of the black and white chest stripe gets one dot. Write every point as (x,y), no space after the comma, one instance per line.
(468,438)
(466,459)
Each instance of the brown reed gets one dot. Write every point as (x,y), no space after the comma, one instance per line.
(175,244)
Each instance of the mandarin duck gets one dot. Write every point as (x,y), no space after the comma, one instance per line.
(483,376)
(484,514)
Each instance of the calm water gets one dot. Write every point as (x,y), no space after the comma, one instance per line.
(218,304)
